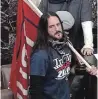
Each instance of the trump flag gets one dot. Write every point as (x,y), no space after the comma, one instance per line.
(28,16)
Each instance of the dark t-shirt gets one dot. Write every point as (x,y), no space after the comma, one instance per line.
(55,68)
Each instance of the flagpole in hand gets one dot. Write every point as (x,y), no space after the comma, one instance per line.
(78,55)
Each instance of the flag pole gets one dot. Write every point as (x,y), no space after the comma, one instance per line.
(78,55)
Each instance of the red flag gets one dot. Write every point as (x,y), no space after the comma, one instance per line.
(27,20)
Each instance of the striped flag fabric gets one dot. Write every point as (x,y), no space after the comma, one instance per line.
(28,16)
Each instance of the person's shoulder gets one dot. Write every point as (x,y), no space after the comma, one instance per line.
(40,54)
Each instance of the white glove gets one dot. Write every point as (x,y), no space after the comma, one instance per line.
(88,38)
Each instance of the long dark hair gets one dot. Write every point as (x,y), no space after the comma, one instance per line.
(42,36)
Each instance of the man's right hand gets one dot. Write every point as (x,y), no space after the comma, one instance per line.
(93,70)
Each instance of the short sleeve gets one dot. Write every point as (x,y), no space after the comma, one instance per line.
(39,63)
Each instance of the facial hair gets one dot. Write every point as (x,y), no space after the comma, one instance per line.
(58,32)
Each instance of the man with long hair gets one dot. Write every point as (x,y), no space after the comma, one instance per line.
(80,34)
(50,60)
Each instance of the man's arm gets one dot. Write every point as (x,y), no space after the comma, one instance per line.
(87,25)
(88,38)
(36,87)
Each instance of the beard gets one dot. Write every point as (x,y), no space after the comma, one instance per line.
(58,35)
